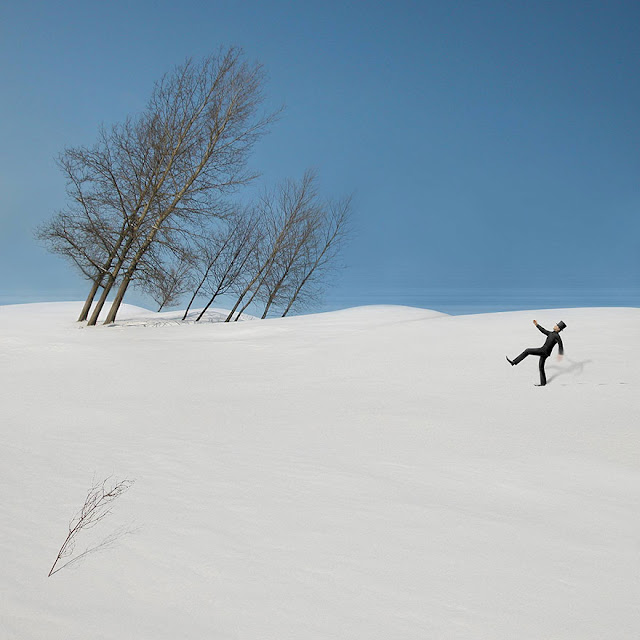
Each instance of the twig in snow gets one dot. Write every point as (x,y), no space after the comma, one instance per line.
(96,507)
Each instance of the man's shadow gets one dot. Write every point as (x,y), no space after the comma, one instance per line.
(575,367)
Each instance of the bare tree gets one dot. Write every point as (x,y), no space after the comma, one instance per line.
(109,174)
(299,216)
(255,262)
(171,165)
(287,217)
(89,231)
(224,259)
(96,507)
(209,110)
(320,255)
(207,253)
(147,203)
(167,280)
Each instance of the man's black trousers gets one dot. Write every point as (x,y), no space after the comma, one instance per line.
(535,352)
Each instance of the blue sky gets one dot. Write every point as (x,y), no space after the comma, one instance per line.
(493,148)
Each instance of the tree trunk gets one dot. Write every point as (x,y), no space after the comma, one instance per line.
(87,305)
(237,304)
(215,295)
(297,291)
(107,267)
(266,309)
(274,293)
(255,293)
(103,298)
(107,289)
(112,279)
(193,297)
(117,301)
(244,293)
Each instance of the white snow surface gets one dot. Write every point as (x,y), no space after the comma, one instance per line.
(375,473)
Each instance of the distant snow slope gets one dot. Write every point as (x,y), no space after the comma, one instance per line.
(375,473)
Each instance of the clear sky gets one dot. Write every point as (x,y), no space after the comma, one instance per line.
(493,148)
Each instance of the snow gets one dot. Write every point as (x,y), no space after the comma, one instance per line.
(379,472)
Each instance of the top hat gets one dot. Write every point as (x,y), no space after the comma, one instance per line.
(561,325)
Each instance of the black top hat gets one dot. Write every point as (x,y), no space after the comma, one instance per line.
(561,325)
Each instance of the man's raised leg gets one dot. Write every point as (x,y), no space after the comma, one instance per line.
(522,356)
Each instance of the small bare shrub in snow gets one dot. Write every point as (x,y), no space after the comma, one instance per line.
(96,507)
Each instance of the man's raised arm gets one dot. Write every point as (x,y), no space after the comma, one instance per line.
(541,328)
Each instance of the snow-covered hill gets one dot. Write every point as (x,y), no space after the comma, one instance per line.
(380,472)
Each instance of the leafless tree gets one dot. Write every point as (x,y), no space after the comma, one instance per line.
(299,217)
(288,216)
(320,255)
(171,165)
(167,280)
(89,231)
(255,260)
(225,257)
(96,507)
(208,111)
(301,239)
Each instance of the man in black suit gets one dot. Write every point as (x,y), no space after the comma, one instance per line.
(553,338)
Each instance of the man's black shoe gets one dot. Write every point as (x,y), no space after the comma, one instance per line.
(509,361)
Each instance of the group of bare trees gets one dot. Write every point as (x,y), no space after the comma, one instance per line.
(148,203)
(276,253)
